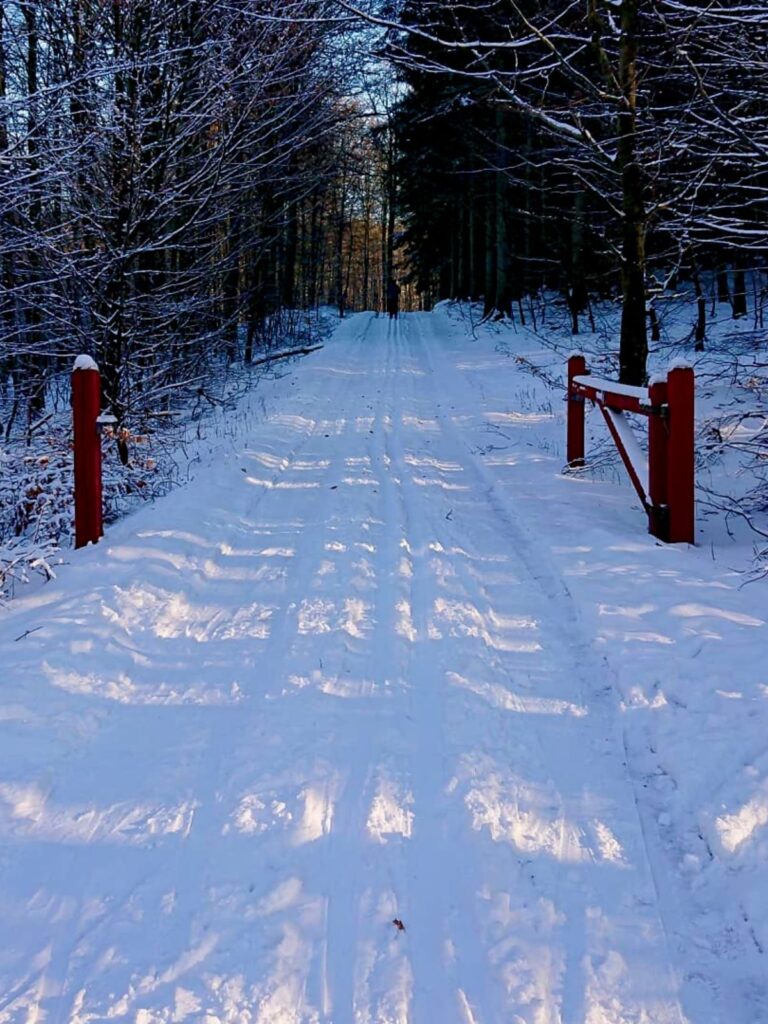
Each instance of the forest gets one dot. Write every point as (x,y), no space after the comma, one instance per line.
(188,185)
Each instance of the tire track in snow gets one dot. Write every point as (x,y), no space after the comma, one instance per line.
(496,869)
(183,870)
(589,669)
(349,931)
(434,871)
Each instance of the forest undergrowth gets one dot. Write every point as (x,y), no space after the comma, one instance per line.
(154,452)
(731,391)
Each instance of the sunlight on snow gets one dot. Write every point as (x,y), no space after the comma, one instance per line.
(123,553)
(464,619)
(334,427)
(268,460)
(265,573)
(690,611)
(440,464)
(253,816)
(437,482)
(501,460)
(26,811)
(648,637)
(499,696)
(189,538)
(122,689)
(637,700)
(527,952)
(283,485)
(294,422)
(317,615)
(735,829)
(517,418)
(366,570)
(319,803)
(404,626)
(462,552)
(169,615)
(526,815)
(389,813)
(187,962)
(346,687)
(626,611)
(530,815)
(609,846)
(425,426)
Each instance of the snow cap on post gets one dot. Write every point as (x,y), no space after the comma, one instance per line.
(85,363)
(681,363)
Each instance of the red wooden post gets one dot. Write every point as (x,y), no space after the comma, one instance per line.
(680,469)
(577,367)
(86,406)
(658,459)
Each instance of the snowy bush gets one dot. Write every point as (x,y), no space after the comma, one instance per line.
(140,462)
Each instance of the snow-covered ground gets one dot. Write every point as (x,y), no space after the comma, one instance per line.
(384,719)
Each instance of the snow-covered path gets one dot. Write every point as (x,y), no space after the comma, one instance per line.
(333,685)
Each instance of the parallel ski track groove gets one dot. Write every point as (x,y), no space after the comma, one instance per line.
(587,664)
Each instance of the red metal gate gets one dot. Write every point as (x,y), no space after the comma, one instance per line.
(665,479)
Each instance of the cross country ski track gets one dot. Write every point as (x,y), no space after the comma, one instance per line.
(322,738)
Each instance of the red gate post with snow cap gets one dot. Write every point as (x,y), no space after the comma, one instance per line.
(86,406)
(680,453)
(666,483)
(577,366)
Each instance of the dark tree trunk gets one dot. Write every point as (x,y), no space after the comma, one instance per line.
(739,289)
(491,252)
(633,353)
(701,311)
(504,288)
(577,292)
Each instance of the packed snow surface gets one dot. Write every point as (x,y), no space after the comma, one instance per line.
(385,719)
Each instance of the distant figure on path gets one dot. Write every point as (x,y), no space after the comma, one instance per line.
(393,299)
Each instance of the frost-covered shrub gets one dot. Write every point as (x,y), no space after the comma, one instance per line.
(37,500)
(35,508)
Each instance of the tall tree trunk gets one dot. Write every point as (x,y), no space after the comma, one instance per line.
(577,290)
(739,287)
(491,252)
(633,353)
(341,213)
(34,361)
(290,252)
(473,230)
(504,287)
(701,310)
